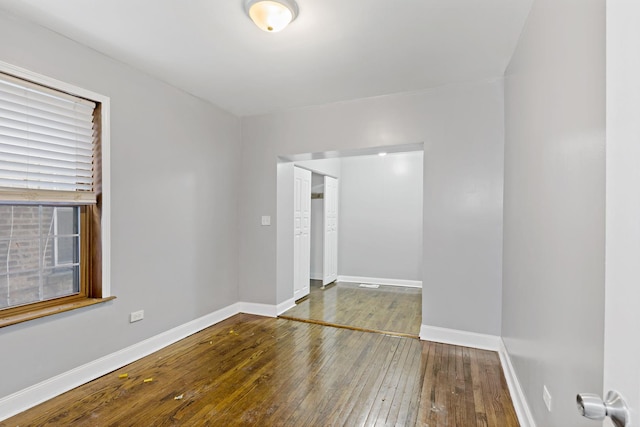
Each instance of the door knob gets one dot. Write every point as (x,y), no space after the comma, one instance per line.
(593,407)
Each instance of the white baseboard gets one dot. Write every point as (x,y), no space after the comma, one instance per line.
(258,309)
(458,337)
(284,306)
(379,281)
(517,395)
(315,276)
(31,396)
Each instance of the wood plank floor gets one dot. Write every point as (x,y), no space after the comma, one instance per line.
(390,309)
(256,371)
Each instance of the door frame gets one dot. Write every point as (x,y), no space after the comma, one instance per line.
(283,261)
(622,244)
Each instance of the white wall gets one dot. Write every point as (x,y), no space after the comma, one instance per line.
(381,216)
(554,203)
(462,130)
(174,206)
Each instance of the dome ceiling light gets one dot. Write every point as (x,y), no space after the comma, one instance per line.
(271,15)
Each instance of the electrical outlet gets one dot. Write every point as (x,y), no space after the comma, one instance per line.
(136,316)
(546,396)
(266,220)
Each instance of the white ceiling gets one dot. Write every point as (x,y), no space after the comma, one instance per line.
(335,50)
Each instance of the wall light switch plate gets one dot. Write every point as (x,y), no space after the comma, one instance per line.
(266,220)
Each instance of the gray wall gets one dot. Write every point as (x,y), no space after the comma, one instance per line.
(554,204)
(174,205)
(381,216)
(462,130)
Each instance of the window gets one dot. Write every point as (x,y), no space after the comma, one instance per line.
(52,198)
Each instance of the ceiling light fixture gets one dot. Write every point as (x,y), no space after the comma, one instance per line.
(382,154)
(271,15)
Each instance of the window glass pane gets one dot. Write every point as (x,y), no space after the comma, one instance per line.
(65,221)
(66,249)
(4,246)
(65,237)
(23,287)
(48,221)
(19,221)
(21,255)
(39,253)
(4,292)
(60,282)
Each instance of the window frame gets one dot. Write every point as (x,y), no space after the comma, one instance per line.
(95,220)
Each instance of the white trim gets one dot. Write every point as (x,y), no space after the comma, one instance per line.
(267,310)
(59,85)
(517,395)
(316,276)
(31,396)
(105,211)
(378,281)
(284,306)
(458,337)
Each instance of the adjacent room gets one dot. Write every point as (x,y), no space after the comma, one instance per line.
(359,263)
(314,213)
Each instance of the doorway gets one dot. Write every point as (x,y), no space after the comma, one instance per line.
(379,256)
(324,229)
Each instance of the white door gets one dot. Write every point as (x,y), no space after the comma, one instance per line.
(622,271)
(330,243)
(301,232)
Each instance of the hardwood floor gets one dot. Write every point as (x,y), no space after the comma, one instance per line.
(256,371)
(388,309)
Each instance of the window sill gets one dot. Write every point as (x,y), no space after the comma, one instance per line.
(48,311)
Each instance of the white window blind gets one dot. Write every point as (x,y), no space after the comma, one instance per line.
(47,145)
